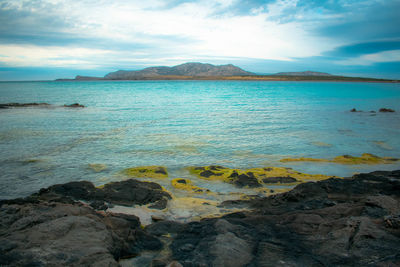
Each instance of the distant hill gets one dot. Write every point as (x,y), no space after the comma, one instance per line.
(187,69)
(201,71)
(303,73)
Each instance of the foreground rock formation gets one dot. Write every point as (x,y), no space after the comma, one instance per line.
(334,222)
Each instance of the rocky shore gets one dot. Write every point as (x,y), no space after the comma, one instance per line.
(334,222)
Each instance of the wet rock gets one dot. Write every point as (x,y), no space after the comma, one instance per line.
(161,170)
(243,180)
(128,193)
(75,105)
(216,168)
(186,184)
(282,180)
(386,110)
(207,173)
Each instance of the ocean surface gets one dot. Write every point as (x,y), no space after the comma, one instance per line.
(176,124)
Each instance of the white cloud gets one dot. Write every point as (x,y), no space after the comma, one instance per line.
(370,59)
(28,55)
(188,31)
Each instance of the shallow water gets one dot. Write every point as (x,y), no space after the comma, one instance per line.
(182,123)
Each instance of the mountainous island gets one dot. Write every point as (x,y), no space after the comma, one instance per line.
(202,71)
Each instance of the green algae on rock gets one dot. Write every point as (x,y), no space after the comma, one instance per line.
(186,184)
(365,158)
(254,177)
(146,172)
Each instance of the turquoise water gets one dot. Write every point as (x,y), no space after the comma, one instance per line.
(181,123)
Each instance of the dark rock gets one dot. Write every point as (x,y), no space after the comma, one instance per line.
(128,193)
(386,110)
(75,105)
(131,191)
(336,222)
(282,180)
(207,173)
(174,264)
(347,222)
(99,205)
(161,170)
(59,234)
(392,221)
(164,227)
(181,181)
(156,218)
(216,167)
(160,204)
(23,105)
(353,110)
(243,180)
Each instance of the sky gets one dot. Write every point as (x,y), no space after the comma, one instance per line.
(49,39)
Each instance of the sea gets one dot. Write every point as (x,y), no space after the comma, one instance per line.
(176,124)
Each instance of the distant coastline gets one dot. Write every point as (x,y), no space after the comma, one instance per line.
(201,71)
(271,78)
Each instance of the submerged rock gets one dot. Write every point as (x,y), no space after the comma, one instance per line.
(97,167)
(365,158)
(186,184)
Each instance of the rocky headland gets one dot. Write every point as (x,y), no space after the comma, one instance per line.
(332,222)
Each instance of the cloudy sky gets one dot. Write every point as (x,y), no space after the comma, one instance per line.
(47,39)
